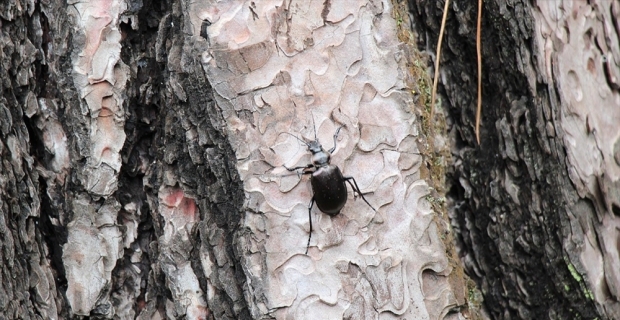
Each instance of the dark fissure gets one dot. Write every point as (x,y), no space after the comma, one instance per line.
(510,242)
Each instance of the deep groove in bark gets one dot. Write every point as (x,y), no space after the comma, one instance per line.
(225,214)
(509,263)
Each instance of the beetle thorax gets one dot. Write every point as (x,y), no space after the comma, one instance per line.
(321,158)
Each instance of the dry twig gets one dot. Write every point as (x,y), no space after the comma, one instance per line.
(479,56)
(437,58)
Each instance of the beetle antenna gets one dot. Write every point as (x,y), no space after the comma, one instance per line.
(294,136)
(314,127)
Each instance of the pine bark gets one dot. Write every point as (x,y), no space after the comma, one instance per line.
(142,156)
(535,204)
(140,145)
(107,198)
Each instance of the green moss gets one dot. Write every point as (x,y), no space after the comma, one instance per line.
(575,274)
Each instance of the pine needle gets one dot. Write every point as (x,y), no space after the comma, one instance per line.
(479,56)
(437,58)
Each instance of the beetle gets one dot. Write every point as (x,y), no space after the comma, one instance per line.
(328,183)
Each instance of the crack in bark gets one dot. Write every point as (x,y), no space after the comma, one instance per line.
(516,275)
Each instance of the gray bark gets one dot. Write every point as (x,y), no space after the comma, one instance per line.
(105,200)
(535,204)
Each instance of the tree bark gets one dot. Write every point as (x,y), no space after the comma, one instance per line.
(308,68)
(535,204)
(140,145)
(142,161)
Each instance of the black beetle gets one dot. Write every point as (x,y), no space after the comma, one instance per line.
(328,184)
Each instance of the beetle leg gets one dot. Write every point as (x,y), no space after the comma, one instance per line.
(335,137)
(357,189)
(304,171)
(308,170)
(308,166)
(310,219)
(297,168)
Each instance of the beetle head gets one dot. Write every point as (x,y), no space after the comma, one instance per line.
(314,147)
(320,157)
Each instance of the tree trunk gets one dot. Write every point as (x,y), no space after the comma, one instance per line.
(535,205)
(142,163)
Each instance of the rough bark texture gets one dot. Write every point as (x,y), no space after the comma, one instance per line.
(299,67)
(140,146)
(535,205)
(29,286)
(118,189)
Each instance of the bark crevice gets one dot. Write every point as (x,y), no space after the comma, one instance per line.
(509,194)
